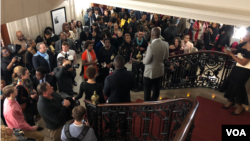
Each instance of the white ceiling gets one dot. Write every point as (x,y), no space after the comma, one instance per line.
(233,12)
(12,10)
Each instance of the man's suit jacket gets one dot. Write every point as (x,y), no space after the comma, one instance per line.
(138,15)
(48,78)
(58,45)
(38,60)
(101,12)
(157,52)
(181,25)
(117,86)
(94,17)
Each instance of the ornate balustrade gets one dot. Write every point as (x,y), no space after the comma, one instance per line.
(158,120)
(199,69)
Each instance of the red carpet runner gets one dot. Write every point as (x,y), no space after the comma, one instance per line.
(210,117)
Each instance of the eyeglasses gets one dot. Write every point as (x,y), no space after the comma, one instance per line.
(5,52)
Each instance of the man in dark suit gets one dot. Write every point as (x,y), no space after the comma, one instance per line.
(181,25)
(41,77)
(101,10)
(58,45)
(96,14)
(44,57)
(117,86)
(170,33)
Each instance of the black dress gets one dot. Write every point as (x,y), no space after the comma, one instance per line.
(234,85)
(89,89)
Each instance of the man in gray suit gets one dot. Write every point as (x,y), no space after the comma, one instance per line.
(181,25)
(157,52)
(58,44)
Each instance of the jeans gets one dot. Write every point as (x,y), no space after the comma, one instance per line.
(148,83)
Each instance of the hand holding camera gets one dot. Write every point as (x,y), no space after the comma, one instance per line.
(14,60)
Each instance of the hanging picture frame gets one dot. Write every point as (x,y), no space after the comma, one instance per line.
(58,17)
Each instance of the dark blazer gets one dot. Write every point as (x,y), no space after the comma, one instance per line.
(98,46)
(58,45)
(38,60)
(181,25)
(169,34)
(138,15)
(100,11)
(94,18)
(48,78)
(117,86)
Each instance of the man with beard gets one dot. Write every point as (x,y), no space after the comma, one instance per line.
(126,49)
(63,38)
(21,40)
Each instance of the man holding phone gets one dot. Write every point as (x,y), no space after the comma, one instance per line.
(80,125)
(21,40)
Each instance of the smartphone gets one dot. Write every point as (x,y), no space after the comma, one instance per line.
(228,49)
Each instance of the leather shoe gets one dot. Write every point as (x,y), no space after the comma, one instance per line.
(74,83)
(224,107)
(233,113)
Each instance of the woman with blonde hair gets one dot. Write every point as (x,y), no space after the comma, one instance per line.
(14,75)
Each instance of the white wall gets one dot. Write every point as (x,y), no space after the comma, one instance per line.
(34,25)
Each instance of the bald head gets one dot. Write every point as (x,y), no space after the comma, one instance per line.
(20,35)
(156,32)
(119,62)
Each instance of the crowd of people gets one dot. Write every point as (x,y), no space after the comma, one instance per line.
(37,80)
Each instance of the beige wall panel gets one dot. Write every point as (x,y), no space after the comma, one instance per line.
(30,7)
(13,10)
(1,12)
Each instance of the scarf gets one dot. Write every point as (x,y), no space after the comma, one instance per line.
(89,57)
(139,43)
(25,84)
(45,56)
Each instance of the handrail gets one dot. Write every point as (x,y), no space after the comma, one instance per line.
(187,124)
(199,52)
(142,103)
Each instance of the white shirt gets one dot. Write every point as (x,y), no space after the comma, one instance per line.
(42,80)
(70,52)
(96,15)
(111,11)
(103,44)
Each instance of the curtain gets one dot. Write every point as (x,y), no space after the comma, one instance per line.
(34,26)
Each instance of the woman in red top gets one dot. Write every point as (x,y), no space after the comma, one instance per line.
(89,57)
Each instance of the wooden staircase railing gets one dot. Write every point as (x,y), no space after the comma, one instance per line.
(198,69)
(168,120)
